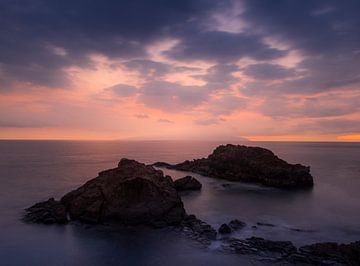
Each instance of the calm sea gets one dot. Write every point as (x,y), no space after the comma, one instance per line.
(31,171)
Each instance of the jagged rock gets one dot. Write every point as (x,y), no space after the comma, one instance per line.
(248,164)
(199,230)
(47,212)
(131,194)
(187,183)
(224,229)
(236,224)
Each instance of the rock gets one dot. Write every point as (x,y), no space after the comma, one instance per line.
(187,183)
(225,229)
(131,194)
(329,253)
(198,230)
(236,224)
(265,224)
(161,164)
(259,246)
(249,164)
(47,212)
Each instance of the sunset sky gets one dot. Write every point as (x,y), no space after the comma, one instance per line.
(179,69)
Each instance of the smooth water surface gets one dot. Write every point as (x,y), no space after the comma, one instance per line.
(31,171)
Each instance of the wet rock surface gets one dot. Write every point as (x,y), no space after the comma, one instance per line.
(328,254)
(47,212)
(260,247)
(187,183)
(248,164)
(133,193)
(198,230)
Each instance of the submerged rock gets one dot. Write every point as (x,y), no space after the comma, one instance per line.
(47,212)
(224,229)
(187,183)
(248,164)
(236,224)
(131,194)
(260,246)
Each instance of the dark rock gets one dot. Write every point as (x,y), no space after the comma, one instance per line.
(224,229)
(265,224)
(249,164)
(187,183)
(329,253)
(259,246)
(236,224)
(47,212)
(198,230)
(131,194)
(161,164)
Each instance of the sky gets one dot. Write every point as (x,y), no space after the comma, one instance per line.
(180,69)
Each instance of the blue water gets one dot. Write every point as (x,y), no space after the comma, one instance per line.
(31,171)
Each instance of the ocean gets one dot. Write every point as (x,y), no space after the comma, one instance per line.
(32,171)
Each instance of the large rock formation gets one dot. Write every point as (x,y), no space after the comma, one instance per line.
(133,193)
(248,164)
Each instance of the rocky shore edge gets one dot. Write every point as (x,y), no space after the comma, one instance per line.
(137,194)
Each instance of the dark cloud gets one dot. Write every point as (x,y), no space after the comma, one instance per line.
(311,107)
(118,29)
(266,71)
(148,68)
(220,76)
(325,32)
(222,46)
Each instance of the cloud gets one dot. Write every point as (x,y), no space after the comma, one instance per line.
(166,121)
(142,116)
(171,97)
(207,122)
(219,46)
(122,90)
(116,29)
(266,71)
(330,126)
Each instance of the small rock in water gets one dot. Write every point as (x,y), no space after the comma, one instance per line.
(187,183)
(266,224)
(224,229)
(236,224)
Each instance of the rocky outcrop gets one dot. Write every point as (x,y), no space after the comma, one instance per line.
(187,183)
(248,164)
(198,230)
(131,194)
(47,212)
